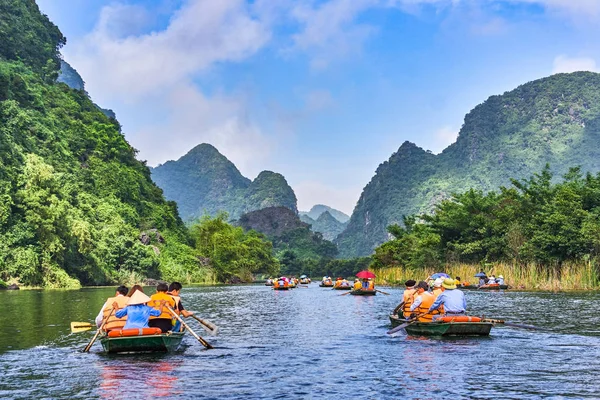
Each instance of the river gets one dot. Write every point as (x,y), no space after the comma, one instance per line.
(305,343)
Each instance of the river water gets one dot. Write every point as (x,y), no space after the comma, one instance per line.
(305,343)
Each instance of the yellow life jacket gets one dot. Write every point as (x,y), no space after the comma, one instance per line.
(155,302)
(357,285)
(114,322)
(177,301)
(427,299)
(408,299)
(371,285)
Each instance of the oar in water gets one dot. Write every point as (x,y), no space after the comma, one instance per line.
(104,321)
(381,291)
(407,323)
(202,341)
(208,326)
(524,326)
(77,327)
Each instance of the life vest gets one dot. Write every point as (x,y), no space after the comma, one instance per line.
(155,302)
(357,285)
(371,285)
(408,299)
(114,322)
(427,299)
(134,332)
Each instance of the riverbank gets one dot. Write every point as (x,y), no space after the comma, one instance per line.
(583,276)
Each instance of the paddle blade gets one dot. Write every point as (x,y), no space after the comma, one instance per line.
(77,327)
(398,328)
(208,326)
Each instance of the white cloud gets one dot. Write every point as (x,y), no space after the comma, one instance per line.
(153,74)
(443,138)
(563,63)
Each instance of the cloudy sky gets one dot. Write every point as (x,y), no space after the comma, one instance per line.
(321,91)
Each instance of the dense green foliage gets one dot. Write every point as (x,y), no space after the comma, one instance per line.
(204,182)
(28,36)
(298,249)
(532,222)
(554,120)
(234,255)
(74,199)
(325,224)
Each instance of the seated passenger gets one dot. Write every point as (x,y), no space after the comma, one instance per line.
(457,281)
(113,322)
(164,321)
(357,284)
(137,312)
(371,284)
(174,290)
(345,283)
(133,290)
(482,280)
(500,280)
(491,280)
(437,287)
(365,284)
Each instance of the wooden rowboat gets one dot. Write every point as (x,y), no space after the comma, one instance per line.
(363,292)
(281,288)
(325,284)
(342,287)
(166,342)
(444,328)
(305,281)
(485,287)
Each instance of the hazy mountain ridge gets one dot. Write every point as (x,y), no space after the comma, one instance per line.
(553,120)
(318,209)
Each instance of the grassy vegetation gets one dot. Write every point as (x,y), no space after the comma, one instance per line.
(572,276)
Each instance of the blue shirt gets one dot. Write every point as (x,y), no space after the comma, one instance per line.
(452,299)
(137,315)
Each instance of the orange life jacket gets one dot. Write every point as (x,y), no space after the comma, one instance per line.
(155,302)
(427,299)
(408,299)
(437,292)
(177,301)
(371,285)
(114,322)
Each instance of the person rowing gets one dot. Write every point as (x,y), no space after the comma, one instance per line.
(422,301)
(451,298)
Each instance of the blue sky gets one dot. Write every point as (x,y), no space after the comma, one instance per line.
(321,91)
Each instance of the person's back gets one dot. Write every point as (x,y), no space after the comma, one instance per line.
(500,280)
(107,314)
(165,320)
(408,297)
(371,284)
(137,312)
(357,285)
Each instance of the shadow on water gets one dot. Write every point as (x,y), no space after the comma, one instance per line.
(305,343)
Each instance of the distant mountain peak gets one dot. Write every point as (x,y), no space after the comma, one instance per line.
(318,209)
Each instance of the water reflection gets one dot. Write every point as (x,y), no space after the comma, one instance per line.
(137,378)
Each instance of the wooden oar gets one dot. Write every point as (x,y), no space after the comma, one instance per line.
(398,307)
(104,321)
(407,323)
(202,341)
(208,326)
(524,326)
(77,327)
(381,291)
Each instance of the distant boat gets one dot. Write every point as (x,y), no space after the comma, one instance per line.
(453,328)
(363,292)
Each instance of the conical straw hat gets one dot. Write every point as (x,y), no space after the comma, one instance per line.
(138,298)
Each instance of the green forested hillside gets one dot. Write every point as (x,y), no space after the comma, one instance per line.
(77,207)
(204,182)
(554,120)
(298,249)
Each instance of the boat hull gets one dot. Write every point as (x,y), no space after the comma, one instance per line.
(281,288)
(363,292)
(166,342)
(444,328)
(342,288)
(322,285)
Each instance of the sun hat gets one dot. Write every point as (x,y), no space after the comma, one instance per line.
(500,276)
(138,298)
(438,282)
(449,283)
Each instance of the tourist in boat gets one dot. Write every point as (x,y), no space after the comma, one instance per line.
(134,289)
(491,280)
(137,312)
(174,290)
(482,280)
(452,299)
(345,283)
(422,301)
(165,320)
(113,322)
(437,287)
(457,281)
(407,298)
(357,284)
(500,280)
(371,284)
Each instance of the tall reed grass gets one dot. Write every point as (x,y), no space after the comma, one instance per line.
(572,276)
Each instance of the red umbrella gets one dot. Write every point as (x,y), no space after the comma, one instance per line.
(365,274)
